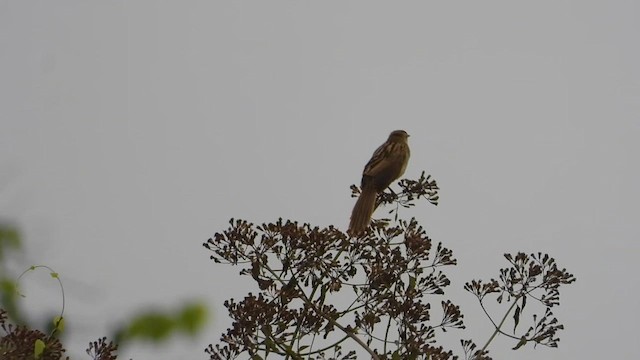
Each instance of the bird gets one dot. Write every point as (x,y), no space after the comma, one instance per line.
(387,164)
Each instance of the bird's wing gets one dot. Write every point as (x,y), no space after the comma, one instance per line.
(377,161)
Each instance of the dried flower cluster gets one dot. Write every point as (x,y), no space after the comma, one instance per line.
(387,281)
(320,291)
(536,278)
(102,350)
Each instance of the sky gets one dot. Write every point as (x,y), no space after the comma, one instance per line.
(131,132)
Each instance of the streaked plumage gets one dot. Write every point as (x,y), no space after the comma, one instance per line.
(387,164)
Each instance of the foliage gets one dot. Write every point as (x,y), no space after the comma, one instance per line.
(19,343)
(390,283)
(157,326)
(9,241)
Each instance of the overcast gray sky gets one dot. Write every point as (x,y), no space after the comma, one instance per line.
(132,131)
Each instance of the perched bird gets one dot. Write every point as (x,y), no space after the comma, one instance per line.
(386,165)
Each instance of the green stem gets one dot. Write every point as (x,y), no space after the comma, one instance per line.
(497,328)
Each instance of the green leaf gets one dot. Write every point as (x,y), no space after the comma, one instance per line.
(516,318)
(8,287)
(270,345)
(395,355)
(192,318)
(523,340)
(150,326)
(38,349)
(58,323)
(9,239)
(412,282)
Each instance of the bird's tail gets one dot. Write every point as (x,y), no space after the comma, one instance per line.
(362,211)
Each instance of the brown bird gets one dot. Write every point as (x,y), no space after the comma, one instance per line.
(386,165)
